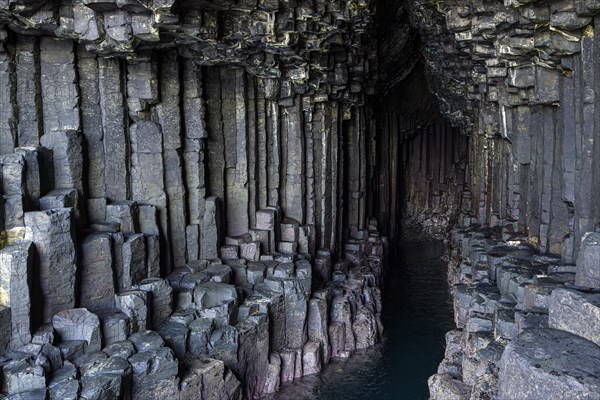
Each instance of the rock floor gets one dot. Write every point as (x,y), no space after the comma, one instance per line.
(524,330)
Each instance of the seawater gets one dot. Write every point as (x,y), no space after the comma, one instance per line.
(417,313)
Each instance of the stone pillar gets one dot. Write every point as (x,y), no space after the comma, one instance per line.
(16,280)
(51,232)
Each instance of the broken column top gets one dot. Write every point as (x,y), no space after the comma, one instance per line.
(78,324)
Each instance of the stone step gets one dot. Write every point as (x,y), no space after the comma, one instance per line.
(576,311)
(549,364)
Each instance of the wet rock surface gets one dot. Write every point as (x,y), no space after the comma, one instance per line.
(412,341)
(524,329)
(551,364)
(519,79)
(234,338)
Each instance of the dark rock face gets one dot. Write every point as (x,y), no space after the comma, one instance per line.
(223,327)
(422,160)
(574,311)
(520,80)
(531,367)
(588,261)
(521,77)
(133,102)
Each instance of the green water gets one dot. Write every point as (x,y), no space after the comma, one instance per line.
(417,314)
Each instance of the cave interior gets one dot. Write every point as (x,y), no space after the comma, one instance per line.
(213,188)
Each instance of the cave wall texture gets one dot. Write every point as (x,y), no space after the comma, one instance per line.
(227,173)
(184,196)
(160,119)
(516,79)
(520,79)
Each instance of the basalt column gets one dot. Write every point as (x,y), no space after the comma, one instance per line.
(520,80)
(184,196)
(170,128)
(421,161)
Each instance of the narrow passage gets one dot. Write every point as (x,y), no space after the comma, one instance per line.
(417,313)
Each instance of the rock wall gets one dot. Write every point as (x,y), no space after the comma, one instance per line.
(85,312)
(184,209)
(526,323)
(196,178)
(168,133)
(521,79)
(421,162)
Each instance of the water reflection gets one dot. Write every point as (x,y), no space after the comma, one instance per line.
(417,313)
